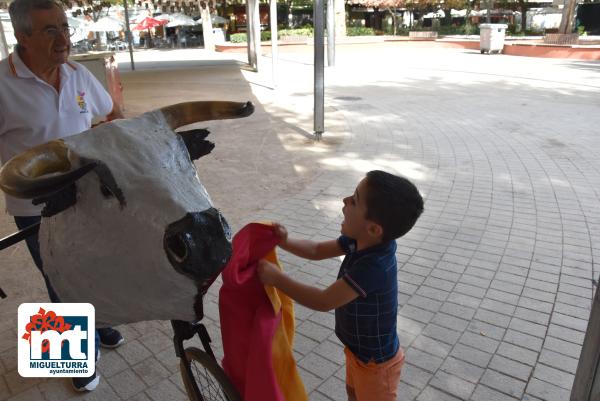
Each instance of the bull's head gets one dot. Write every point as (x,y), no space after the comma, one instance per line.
(127,224)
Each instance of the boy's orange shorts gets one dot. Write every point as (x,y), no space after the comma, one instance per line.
(372,381)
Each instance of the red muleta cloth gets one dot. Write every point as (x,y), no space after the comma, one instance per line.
(257,323)
(248,321)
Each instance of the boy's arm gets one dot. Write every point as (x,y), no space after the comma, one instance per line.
(334,296)
(313,250)
(305,248)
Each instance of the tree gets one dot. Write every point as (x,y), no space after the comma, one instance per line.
(389,5)
(207,32)
(92,8)
(412,5)
(568,16)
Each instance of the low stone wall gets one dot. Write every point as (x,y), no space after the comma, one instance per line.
(422,35)
(561,38)
(553,51)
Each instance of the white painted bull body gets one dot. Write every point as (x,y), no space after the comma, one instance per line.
(139,238)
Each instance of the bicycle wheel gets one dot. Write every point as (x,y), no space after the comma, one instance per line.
(210,379)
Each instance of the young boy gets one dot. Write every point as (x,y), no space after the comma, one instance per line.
(365,296)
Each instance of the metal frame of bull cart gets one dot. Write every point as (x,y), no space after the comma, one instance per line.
(203,377)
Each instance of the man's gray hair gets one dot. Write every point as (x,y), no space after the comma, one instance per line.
(19,11)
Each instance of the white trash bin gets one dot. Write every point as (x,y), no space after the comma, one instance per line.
(219,35)
(491,37)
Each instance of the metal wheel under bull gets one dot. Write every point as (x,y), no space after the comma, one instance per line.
(202,376)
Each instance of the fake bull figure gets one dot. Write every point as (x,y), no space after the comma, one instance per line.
(127,224)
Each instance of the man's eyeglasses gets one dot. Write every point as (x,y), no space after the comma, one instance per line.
(53,33)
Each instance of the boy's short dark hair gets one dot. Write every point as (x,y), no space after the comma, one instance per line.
(393,202)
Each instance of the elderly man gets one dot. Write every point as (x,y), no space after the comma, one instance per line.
(43,96)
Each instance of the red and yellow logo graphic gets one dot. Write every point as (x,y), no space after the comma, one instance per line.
(44,321)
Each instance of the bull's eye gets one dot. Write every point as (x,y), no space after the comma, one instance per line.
(106,192)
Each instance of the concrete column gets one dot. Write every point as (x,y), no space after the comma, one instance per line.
(274,49)
(251,34)
(256,28)
(330,34)
(3,44)
(340,18)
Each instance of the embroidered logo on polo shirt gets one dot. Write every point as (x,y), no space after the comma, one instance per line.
(81,102)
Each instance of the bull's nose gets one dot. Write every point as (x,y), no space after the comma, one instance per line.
(199,244)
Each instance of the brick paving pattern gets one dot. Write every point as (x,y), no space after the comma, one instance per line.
(496,277)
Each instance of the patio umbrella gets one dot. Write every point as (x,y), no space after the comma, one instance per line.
(438,14)
(80,26)
(77,23)
(215,19)
(458,13)
(163,17)
(179,19)
(105,24)
(148,23)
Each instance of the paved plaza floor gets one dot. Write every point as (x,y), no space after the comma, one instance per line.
(495,280)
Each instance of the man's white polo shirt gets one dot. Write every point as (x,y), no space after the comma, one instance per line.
(32,112)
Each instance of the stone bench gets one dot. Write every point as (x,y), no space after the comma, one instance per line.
(422,35)
(561,38)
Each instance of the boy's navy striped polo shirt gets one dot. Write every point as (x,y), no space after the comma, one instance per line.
(367,325)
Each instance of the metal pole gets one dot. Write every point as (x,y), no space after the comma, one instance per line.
(248,34)
(274,49)
(319,63)
(330,34)
(128,35)
(488,18)
(12,239)
(16,237)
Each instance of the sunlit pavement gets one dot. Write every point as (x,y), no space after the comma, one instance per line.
(495,279)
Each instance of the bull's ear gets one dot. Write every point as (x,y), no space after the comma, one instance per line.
(57,201)
(108,184)
(195,143)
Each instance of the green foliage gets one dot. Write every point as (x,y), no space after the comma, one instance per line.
(402,31)
(237,38)
(281,34)
(93,8)
(466,29)
(470,29)
(532,32)
(359,31)
(514,29)
(304,31)
(581,30)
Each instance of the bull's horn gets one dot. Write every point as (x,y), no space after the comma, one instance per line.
(40,170)
(182,114)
